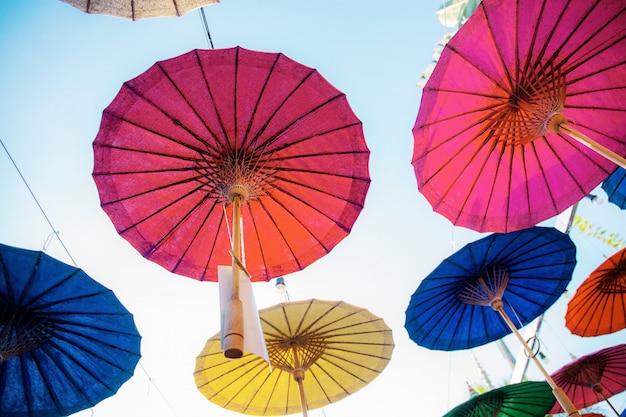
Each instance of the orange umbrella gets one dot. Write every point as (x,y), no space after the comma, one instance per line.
(599,305)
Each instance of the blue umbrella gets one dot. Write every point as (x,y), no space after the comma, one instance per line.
(615,188)
(527,271)
(66,342)
(518,274)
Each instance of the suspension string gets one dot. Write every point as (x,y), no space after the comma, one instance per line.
(55,233)
(519,322)
(54,230)
(207,34)
(230,235)
(151,381)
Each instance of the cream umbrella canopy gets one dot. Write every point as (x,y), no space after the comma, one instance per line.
(139,9)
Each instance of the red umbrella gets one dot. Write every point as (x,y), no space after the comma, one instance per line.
(593,378)
(502,140)
(599,305)
(215,138)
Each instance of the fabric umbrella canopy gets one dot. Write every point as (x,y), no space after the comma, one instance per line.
(182,140)
(139,9)
(615,188)
(320,352)
(599,305)
(518,274)
(66,342)
(495,147)
(593,378)
(525,399)
(231,136)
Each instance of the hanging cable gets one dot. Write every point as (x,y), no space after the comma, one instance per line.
(151,381)
(54,231)
(206,27)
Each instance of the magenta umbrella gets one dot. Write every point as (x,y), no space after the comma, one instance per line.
(593,378)
(524,113)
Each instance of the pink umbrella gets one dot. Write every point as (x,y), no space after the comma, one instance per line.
(593,378)
(524,113)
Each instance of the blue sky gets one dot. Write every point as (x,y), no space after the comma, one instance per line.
(60,68)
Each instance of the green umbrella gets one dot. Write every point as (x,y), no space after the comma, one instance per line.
(525,399)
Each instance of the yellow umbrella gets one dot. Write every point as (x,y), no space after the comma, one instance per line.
(320,352)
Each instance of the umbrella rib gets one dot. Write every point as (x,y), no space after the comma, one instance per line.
(314,137)
(177,122)
(270,118)
(544,46)
(47,385)
(186,145)
(60,282)
(253,143)
(459,151)
(260,150)
(159,210)
(77,386)
(503,65)
(127,349)
(205,78)
(174,120)
(321,191)
(195,236)
(594,53)
(332,332)
(482,72)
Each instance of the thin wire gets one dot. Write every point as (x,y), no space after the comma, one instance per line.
(54,231)
(206,27)
(151,381)
(47,243)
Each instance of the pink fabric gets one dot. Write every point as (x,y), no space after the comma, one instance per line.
(606,367)
(161,170)
(480,183)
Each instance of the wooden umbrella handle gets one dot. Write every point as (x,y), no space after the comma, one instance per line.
(560,396)
(558,123)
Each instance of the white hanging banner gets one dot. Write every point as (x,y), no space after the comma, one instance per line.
(253,341)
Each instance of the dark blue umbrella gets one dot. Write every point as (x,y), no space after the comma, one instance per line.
(66,342)
(518,274)
(615,188)
(527,271)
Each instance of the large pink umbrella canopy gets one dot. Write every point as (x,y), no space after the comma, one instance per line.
(183,137)
(484,156)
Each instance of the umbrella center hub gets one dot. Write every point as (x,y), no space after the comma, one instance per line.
(531,108)
(237,172)
(21,331)
(296,354)
(614,281)
(486,289)
(587,372)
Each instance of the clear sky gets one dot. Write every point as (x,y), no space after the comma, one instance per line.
(59,68)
